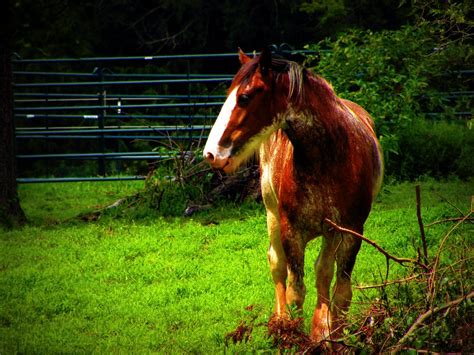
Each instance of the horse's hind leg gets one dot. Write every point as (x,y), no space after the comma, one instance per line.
(346,254)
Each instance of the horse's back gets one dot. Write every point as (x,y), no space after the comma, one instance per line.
(361,114)
(377,156)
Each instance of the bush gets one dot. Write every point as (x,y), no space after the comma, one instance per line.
(438,149)
(399,76)
(170,188)
(187,184)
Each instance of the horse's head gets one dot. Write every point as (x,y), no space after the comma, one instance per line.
(247,117)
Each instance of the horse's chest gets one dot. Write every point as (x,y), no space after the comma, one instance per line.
(303,198)
(306,205)
(269,188)
(303,203)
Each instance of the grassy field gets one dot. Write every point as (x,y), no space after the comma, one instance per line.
(146,283)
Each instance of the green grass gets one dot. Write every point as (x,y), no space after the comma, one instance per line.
(171,285)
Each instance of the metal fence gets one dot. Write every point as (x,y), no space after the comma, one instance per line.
(116,111)
(103,118)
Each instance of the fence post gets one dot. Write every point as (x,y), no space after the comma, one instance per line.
(190,116)
(100,121)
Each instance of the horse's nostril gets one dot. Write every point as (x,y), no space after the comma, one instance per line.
(209,156)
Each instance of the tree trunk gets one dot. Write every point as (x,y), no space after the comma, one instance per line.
(10,210)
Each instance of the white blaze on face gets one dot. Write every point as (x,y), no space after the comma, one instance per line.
(212,144)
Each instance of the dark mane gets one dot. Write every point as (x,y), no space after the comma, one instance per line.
(245,73)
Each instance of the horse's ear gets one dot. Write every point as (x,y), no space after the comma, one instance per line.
(265,60)
(244,58)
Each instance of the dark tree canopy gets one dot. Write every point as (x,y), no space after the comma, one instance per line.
(126,27)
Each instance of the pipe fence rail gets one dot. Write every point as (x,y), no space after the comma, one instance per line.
(109,118)
(122,112)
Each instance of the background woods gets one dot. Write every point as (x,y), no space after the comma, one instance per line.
(52,28)
(407,62)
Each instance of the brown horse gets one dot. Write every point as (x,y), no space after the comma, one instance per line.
(319,158)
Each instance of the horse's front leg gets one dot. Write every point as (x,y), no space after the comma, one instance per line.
(294,244)
(277,261)
(324,270)
(330,315)
(346,254)
(296,290)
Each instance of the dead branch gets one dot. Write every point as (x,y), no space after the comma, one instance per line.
(420,223)
(143,17)
(432,278)
(95,215)
(449,202)
(387,255)
(447,220)
(170,37)
(387,283)
(428,314)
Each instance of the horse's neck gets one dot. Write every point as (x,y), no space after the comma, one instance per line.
(311,123)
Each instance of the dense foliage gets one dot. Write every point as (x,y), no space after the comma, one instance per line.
(396,59)
(402,78)
(130,27)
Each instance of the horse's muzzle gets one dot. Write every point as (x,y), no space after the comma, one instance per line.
(219,162)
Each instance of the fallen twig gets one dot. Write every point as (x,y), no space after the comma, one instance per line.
(419,321)
(431,280)
(449,202)
(454,219)
(375,245)
(387,283)
(95,215)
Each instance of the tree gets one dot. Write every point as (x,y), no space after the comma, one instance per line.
(58,28)
(10,209)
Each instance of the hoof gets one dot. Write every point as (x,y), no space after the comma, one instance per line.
(288,334)
(320,334)
(278,318)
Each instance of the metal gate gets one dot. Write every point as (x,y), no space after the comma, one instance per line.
(114,111)
(109,118)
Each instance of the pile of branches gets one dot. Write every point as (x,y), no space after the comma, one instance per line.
(445,290)
(186,186)
(237,187)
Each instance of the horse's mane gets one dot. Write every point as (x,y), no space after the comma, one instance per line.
(298,77)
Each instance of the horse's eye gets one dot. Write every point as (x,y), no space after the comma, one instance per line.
(243,100)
